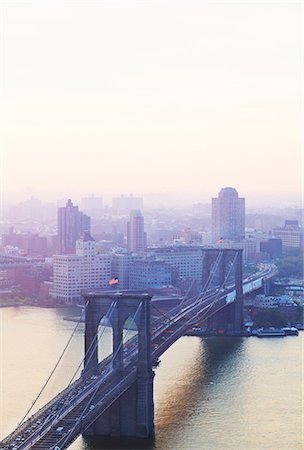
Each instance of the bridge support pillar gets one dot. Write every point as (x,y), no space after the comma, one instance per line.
(132,414)
(230,318)
(239,301)
(222,269)
(206,269)
(267,286)
(117,342)
(90,339)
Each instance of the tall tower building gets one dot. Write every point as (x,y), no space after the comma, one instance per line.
(136,236)
(228,215)
(71,224)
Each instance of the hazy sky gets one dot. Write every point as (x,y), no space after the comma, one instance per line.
(120,96)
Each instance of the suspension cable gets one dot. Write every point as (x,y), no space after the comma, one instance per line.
(208,307)
(110,311)
(55,367)
(198,298)
(107,315)
(108,369)
(218,292)
(161,312)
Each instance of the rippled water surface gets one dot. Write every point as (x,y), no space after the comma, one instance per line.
(210,394)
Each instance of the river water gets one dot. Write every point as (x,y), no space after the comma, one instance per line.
(210,394)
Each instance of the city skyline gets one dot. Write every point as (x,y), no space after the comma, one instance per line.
(157,200)
(151,224)
(213,103)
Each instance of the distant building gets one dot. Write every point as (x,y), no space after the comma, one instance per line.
(149,274)
(31,244)
(84,270)
(136,237)
(71,224)
(228,216)
(29,279)
(93,206)
(263,222)
(125,204)
(251,249)
(291,235)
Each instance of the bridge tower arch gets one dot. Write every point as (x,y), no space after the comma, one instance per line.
(224,261)
(132,414)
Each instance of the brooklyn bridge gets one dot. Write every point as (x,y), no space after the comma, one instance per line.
(114,397)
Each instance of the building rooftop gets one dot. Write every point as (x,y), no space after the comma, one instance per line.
(228,192)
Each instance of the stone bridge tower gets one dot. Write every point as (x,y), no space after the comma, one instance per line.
(132,414)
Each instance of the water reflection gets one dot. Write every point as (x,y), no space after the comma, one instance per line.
(205,361)
(209,394)
(182,384)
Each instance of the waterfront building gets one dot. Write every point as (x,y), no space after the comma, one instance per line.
(273,302)
(136,237)
(228,216)
(186,262)
(71,224)
(121,267)
(75,273)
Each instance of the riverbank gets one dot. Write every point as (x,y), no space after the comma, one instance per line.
(261,332)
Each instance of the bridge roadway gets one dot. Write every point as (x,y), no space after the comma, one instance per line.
(77,401)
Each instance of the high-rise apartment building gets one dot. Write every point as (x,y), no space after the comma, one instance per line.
(136,236)
(71,224)
(228,216)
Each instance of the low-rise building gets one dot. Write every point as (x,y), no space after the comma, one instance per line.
(272,302)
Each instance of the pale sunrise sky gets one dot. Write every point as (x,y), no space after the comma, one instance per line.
(150,96)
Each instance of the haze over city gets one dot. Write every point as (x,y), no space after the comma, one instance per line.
(151,225)
(173,98)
